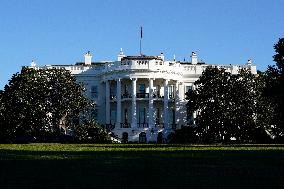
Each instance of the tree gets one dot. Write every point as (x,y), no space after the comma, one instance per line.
(225,105)
(36,102)
(91,131)
(184,135)
(273,90)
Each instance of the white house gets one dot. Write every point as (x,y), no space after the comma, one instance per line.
(141,98)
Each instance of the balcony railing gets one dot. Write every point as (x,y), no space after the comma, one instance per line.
(109,127)
(157,96)
(126,96)
(142,125)
(125,125)
(142,95)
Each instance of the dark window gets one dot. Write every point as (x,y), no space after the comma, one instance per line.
(160,138)
(125,137)
(94,92)
(142,88)
(158,115)
(142,138)
(142,115)
(187,88)
(125,116)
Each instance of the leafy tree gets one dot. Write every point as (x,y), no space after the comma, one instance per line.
(36,102)
(273,90)
(184,135)
(91,131)
(225,105)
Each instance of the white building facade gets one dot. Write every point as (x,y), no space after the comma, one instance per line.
(141,98)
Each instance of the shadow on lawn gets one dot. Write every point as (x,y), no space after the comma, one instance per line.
(141,169)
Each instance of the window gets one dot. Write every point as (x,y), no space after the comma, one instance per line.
(172,116)
(187,88)
(158,89)
(125,116)
(189,117)
(142,88)
(113,91)
(112,116)
(171,91)
(125,91)
(142,137)
(124,137)
(142,115)
(158,115)
(94,91)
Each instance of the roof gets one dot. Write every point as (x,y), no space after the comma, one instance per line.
(142,57)
(93,63)
(191,63)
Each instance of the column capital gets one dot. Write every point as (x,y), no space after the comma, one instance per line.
(118,79)
(133,79)
(166,81)
(179,82)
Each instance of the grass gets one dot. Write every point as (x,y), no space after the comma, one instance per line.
(141,166)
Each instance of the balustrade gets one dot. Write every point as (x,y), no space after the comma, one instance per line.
(125,125)
(142,125)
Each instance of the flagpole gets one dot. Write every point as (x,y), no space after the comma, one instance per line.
(140,47)
(141,35)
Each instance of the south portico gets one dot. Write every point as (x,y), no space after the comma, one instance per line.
(141,104)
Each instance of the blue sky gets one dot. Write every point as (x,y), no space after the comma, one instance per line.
(61,31)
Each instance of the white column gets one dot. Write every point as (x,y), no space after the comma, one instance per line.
(195,112)
(151,102)
(177,101)
(107,102)
(166,104)
(118,102)
(133,106)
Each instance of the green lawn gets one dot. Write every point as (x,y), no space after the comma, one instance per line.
(141,166)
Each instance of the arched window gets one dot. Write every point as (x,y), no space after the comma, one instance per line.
(142,137)
(160,138)
(124,137)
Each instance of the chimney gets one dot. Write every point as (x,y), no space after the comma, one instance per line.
(120,55)
(193,58)
(249,62)
(88,58)
(33,64)
(162,56)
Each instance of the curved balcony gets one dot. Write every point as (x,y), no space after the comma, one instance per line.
(109,127)
(142,95)
(142,125)
(125,125)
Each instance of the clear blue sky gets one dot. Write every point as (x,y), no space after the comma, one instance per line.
(61,31)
